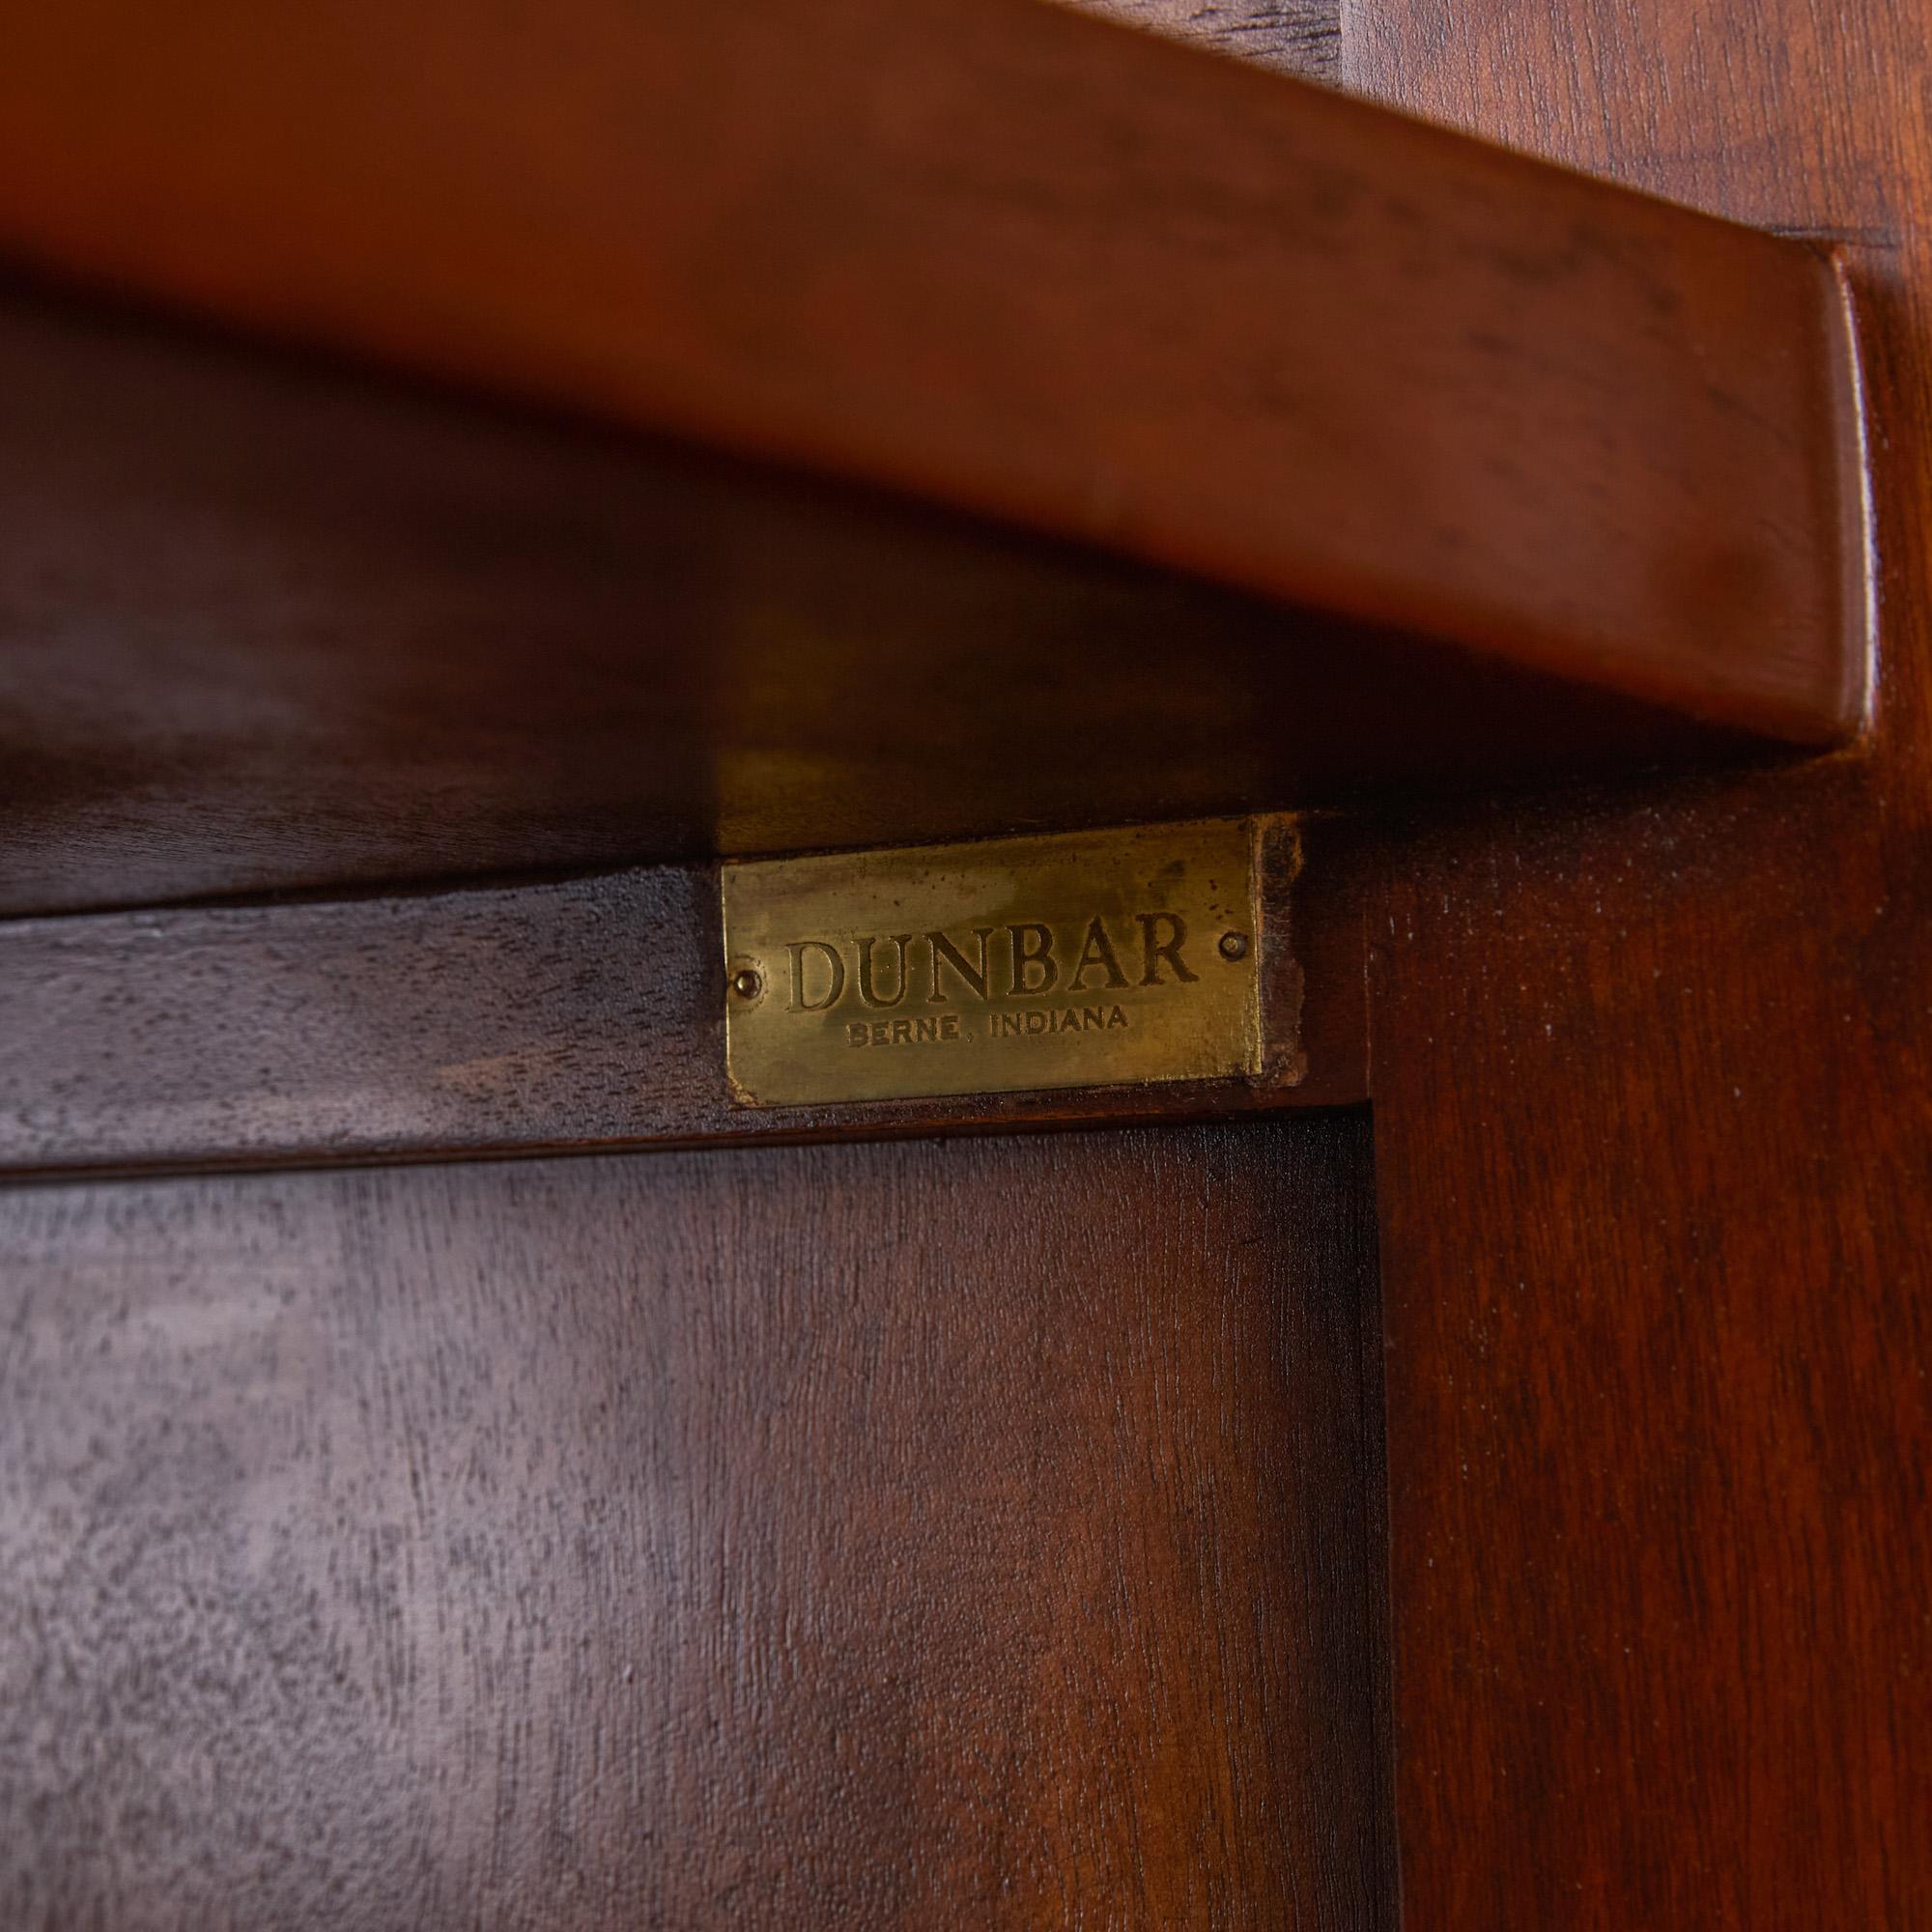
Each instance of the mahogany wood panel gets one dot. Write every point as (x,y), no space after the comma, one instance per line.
(867,1537)
(1027,264)
(1654,1138)
(266,624)
(579,1013)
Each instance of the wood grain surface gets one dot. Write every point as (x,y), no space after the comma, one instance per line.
(1654,1137)
(1299,37)
(266,624)
(1027,265)
(581,1013)
(861,1537)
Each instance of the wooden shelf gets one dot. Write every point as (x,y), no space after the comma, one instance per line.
(667,431)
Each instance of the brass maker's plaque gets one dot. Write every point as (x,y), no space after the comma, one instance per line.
(1082,959)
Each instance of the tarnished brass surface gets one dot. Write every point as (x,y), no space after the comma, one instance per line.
(1082,959)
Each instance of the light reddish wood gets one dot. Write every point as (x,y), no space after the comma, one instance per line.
(1029,263)
(267,623)
(1654,1133)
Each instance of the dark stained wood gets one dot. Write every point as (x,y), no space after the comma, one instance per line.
(579,1013)
(266,624)
(1301,37)
(1654,1138)
(1003,257)
(859,1537)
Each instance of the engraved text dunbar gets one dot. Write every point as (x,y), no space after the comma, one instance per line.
(1014,962)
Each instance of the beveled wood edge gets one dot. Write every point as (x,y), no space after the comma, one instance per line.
(1856,504)
(219,173)
(580,1015)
